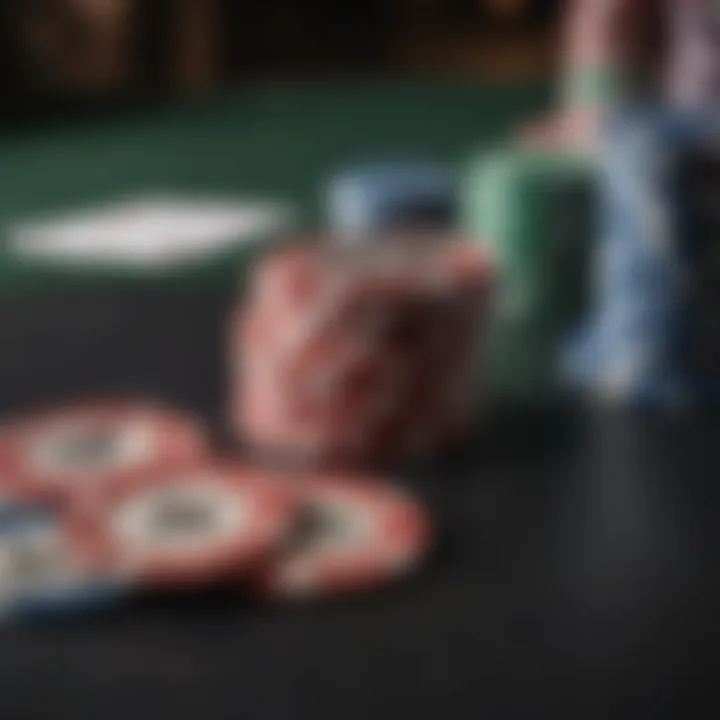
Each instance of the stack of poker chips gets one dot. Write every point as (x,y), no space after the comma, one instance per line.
(537,213)
(361,356)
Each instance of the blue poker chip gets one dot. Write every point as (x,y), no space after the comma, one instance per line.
(84,599)
(16,512)
(390,196)
(49,571)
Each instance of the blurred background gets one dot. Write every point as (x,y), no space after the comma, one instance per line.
(79,55)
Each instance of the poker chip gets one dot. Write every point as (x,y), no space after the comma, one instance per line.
(195,524)
(88,447)
(364,202)
(16,501)
(51,566)
(14,505)
(350,535)
(338,356)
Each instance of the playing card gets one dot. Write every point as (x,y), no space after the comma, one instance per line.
(153,232)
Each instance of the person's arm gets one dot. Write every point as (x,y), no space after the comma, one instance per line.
(597,52)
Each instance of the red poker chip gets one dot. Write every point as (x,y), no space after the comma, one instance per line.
(82,449)
(350,535)
(195,524)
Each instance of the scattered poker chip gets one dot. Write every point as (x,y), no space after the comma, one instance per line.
(89,447)
(52,566)
(346,357)
(194,525)
(350,535)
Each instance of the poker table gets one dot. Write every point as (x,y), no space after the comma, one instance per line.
(576,570)
(281,142)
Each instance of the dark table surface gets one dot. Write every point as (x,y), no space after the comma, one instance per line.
(576,574)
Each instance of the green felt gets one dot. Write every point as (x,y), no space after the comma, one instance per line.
(277,141)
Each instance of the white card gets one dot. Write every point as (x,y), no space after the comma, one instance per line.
(153,232)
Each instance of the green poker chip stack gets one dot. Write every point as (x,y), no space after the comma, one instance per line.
(535,210)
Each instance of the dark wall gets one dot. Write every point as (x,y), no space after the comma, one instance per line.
(248,39)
